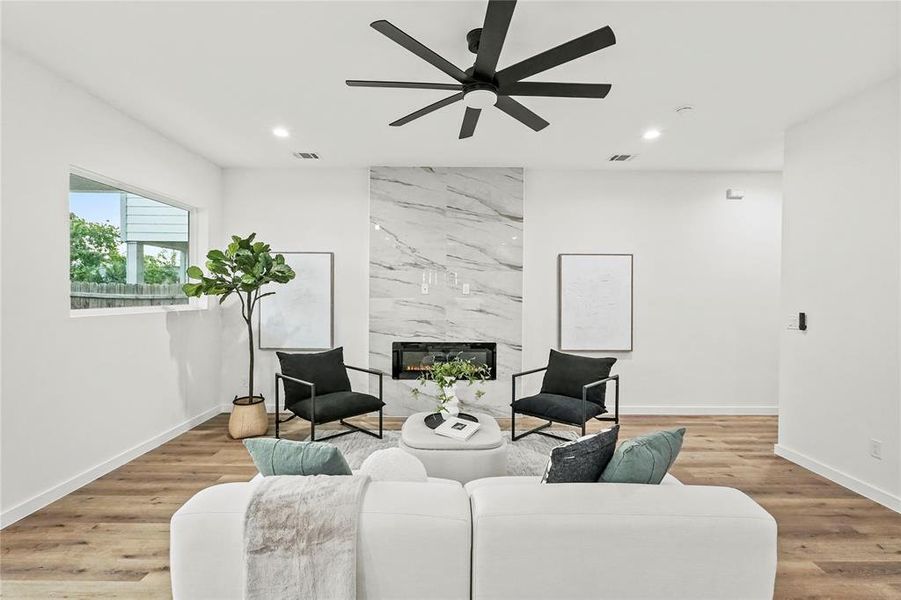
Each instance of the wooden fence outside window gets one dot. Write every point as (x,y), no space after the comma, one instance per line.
(111,295)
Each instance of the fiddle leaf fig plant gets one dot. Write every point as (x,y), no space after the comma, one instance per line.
(242,269)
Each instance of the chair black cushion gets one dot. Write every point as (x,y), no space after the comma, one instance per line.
(582,460)
(563,409)
(337,405)
(325,369)
(567,373)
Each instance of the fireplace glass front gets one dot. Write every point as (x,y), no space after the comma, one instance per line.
(412,359)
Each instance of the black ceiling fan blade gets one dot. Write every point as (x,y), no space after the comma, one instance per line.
(430,108)
(571,50)
(404,84)
(470,118)
(521,113)
(430,56)
(559,90)
(494,31)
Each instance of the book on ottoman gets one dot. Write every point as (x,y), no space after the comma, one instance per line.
(458,429)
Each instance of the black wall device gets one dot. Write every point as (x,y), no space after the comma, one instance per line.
(802,321)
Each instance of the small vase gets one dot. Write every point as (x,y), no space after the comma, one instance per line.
(451,405)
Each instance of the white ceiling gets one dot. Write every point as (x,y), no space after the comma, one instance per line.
(217,76)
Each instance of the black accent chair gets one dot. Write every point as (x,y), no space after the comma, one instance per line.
(318,390)
(573,392)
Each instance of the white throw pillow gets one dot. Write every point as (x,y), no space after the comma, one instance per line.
(393,464)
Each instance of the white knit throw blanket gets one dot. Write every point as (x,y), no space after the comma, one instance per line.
(300,538)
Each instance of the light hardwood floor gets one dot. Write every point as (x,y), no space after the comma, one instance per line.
(110,539)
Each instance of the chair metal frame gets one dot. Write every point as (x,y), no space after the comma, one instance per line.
(540,429)
(351,427)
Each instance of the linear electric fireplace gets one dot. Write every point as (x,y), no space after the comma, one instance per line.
(411,359)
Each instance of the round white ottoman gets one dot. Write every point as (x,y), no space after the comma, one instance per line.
(482,455)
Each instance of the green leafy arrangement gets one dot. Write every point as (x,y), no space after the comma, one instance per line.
(241,269)
(95,255)
(446,374)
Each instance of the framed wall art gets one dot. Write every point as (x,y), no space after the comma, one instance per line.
(595,302)
(300,316)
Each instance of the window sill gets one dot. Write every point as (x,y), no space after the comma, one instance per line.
(136,310)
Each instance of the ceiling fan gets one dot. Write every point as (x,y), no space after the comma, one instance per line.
(482,85)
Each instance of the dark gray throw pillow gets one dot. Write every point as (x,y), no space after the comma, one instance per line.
(567,373)
(325,369)
(583,460)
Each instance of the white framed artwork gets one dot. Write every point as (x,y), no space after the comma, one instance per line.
(300,316)
(595,302)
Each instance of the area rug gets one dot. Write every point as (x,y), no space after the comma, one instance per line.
(527,456)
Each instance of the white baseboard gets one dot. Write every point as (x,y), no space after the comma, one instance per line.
(10,516)
(699,409)
(866,490)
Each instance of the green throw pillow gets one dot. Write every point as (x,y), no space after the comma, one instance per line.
(286,457)
(644,459)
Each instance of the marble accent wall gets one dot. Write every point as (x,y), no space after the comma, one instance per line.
(459,232)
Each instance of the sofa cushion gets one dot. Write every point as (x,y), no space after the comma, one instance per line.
(286,457)
(563,409)
(338,405)
(567,373)
(325,369)
(434,480)
(485,482)
(644,459)
(582,460)
(403,527)
(649,541)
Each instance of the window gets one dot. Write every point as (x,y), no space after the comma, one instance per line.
(125,248)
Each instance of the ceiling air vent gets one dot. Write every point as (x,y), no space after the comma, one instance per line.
(621,157)
(306,155)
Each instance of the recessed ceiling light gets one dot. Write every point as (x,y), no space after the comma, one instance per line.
(651,134)
(281,132)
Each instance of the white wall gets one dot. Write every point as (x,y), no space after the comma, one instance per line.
(706,280)
(706,272)
(839,381)
(301,210)
(81,395)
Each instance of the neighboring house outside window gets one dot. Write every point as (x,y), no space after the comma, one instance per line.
(126,248)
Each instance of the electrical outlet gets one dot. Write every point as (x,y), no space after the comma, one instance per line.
(465,289)
(876,449)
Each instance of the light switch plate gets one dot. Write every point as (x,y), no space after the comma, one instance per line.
(794,322)
(425,288)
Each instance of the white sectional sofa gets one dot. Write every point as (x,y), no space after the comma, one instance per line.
(512,538)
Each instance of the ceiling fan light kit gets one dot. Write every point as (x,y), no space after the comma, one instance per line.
(482,86)
(480,97)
